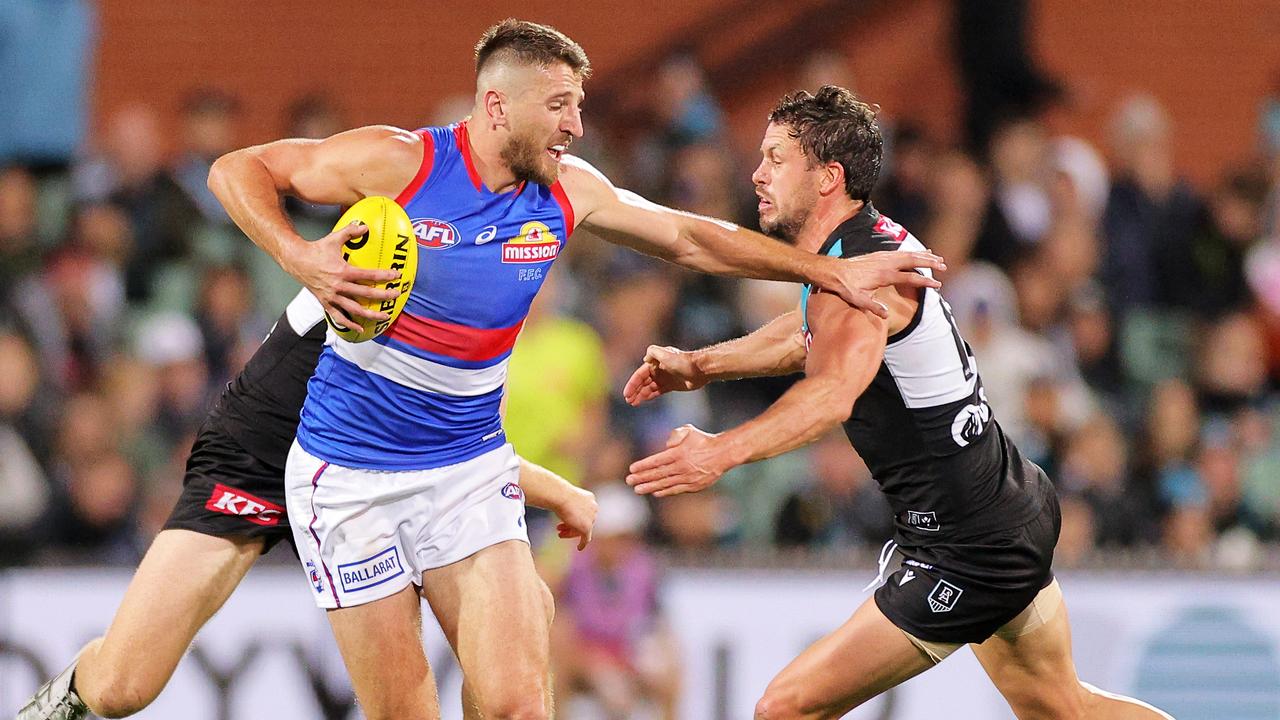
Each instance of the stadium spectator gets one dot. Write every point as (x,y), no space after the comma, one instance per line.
(1150,212)
(610,641)
(170,344)
(841,506)
(22,481)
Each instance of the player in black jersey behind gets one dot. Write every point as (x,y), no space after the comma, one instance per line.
(976,523)
(230,512)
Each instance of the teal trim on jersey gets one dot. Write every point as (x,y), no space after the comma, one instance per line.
(837,250)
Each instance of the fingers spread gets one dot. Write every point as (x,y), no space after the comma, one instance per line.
(356,290)
(362,275)
(356,310)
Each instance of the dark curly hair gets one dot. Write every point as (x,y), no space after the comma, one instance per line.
(835,126)
(533,44)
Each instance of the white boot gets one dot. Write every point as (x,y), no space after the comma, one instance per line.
(55,700)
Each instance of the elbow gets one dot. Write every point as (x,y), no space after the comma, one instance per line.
(220,171)
(836,412)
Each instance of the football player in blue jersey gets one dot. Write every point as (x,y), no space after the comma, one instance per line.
(506,166)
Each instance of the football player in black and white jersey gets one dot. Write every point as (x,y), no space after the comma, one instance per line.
(976,523)
(231,511)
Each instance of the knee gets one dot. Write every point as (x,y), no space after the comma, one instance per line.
(779,703)
(515,708)
(548,602)
(1047,703)
(117,696)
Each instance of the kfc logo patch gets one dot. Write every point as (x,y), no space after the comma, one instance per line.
(230,501)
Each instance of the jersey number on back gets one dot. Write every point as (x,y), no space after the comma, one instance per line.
(962,347)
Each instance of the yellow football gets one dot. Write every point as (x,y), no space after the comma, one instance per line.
(389,244)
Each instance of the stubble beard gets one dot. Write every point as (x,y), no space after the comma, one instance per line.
(785,228)
(528,161)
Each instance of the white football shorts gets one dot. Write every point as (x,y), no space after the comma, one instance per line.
(363,535)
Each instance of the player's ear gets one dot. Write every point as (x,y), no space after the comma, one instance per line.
(495,107)
(831,179)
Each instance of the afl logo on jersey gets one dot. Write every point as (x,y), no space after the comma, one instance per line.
(535,244)
(971,421)
(512,491)
(435,234)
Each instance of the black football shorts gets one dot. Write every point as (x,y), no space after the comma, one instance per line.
(962,592)
(227,492)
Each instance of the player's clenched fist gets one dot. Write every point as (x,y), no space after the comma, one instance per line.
(577,513)
(664,370)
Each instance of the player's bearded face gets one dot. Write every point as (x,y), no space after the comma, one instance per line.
(525,152)
(785,184)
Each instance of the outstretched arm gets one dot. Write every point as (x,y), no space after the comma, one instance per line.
(722,248)
(339,170)
(575,507)
(848,346)
(776,348)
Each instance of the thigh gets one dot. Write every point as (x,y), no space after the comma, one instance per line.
(493,609)
(381,645)
(861,659)
(1035,671)
(182,581)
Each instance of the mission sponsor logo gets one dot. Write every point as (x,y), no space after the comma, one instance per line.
(535,244)
(435,234)
(367,573)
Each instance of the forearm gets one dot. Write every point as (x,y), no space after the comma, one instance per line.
(543,488)
(776,348)
(724,249)
(801,416)
(807,411)
(242,183)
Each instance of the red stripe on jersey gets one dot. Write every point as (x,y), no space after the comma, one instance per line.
(424,169)
(566,207)
(455,341)
(464,147)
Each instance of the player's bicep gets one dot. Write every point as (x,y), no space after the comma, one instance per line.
(848,344)
(620,216)
(344,168)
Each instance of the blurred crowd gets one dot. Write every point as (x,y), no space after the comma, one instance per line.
(1126,325)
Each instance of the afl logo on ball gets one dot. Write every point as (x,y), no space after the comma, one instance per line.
(512,491)
(435,234)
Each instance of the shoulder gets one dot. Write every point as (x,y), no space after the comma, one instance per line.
(868,232)
(587,188)
(387,158)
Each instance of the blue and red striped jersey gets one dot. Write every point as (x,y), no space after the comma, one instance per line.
(426,393)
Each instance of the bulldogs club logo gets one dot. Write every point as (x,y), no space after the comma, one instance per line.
(435,234)
(512,491)
(535,244)
(314,574)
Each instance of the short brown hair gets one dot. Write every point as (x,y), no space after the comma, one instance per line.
(835,126)
(532,44)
